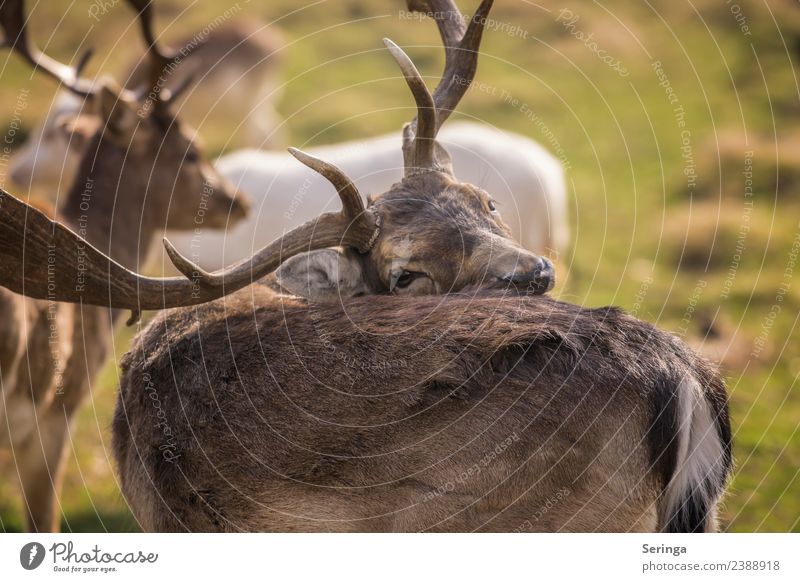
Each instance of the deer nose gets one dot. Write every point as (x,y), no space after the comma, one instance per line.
(535,275)
(240,208)
(20,175)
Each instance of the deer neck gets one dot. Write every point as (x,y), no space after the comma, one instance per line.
(106,204)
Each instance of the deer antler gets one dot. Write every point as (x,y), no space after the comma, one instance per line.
(13,22)
(43,259)
(461,44)
(160,60)
(354,227)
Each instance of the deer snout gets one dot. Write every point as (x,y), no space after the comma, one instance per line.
(240,208)
(227,205)
(21,174)
(532,274)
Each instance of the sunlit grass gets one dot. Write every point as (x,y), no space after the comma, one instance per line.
(633,213)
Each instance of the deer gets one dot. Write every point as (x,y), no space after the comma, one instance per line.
(142,170)
(427,234)
(462,413)
(474,411)
(527,182)
(235,69)
(447,403)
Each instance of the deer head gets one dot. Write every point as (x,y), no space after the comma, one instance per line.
(438,235)
(429,234)
(133,144)
(161,159)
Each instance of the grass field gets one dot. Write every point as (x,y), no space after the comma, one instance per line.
(683,160)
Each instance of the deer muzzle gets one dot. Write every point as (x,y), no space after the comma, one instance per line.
(532,274)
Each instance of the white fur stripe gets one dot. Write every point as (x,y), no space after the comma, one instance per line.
(699,456)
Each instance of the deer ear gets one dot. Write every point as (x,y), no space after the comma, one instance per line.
(323,275)
(117,112)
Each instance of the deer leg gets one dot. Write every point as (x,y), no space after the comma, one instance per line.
(40,466)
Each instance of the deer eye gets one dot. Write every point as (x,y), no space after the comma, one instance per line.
(402,279)
(492,206)
(192,157)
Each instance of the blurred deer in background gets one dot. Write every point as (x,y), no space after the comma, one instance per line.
(235,68)
(373,414)
(141,171)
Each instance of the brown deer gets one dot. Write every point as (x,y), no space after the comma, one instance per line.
(235,65)
(141,172)
(473,411)
(468,412)
(430,233)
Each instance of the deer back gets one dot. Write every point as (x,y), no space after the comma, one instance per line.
(454,413)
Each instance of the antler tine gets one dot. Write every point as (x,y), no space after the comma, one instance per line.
(160,59)
(353,227)
(461,42)
(43,259)
(425,134)
(14,24)
(352,203)
(448,18)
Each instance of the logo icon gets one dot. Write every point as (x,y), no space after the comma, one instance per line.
(31,555)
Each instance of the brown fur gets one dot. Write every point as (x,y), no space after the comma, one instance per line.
(469,412)
(134,181)
(442,231)
(437,234)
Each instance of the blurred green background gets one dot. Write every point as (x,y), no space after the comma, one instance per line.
(662,222)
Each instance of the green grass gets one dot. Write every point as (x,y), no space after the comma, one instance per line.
(634,219)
